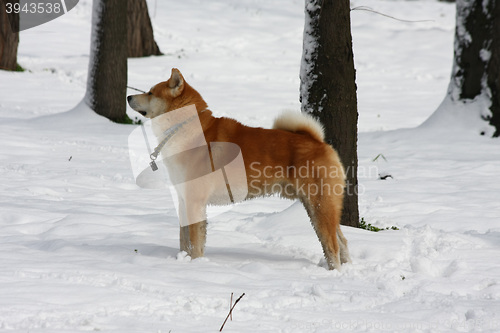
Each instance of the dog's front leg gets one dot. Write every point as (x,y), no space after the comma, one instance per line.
(184,239)
(193,238)
(193,231)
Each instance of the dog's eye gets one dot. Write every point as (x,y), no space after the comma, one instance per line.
(150,93)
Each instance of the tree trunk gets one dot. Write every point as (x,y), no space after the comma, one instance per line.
(9,37)
(140,39)
(476,67)
(493,69)
(107,76)
(328,88)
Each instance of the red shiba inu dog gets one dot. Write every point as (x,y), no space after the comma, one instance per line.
(291,160)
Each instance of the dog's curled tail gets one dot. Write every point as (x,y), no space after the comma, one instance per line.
(299,122)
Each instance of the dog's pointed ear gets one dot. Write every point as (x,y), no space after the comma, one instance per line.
(176,82)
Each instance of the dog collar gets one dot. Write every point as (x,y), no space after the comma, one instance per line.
(169,134)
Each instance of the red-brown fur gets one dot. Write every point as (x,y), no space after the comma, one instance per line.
(264,150)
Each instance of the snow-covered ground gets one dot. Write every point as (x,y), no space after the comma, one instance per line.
(82,248)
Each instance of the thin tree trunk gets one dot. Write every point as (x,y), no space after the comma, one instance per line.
(493,70)
(140,38)
(107,77)
(476,67)
(9,37)
(328,89)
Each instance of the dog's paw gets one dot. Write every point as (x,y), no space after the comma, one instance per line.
(323,263)
(183,256)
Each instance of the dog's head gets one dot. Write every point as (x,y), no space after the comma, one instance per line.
(166,96)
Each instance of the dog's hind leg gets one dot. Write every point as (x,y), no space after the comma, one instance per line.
(344,250)
(325,220)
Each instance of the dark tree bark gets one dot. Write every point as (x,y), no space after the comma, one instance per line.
(328,88)
(493,69)
(140,39)
(107,76)
(9,37)
(476,68)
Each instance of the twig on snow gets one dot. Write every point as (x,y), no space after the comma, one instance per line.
(230,314)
